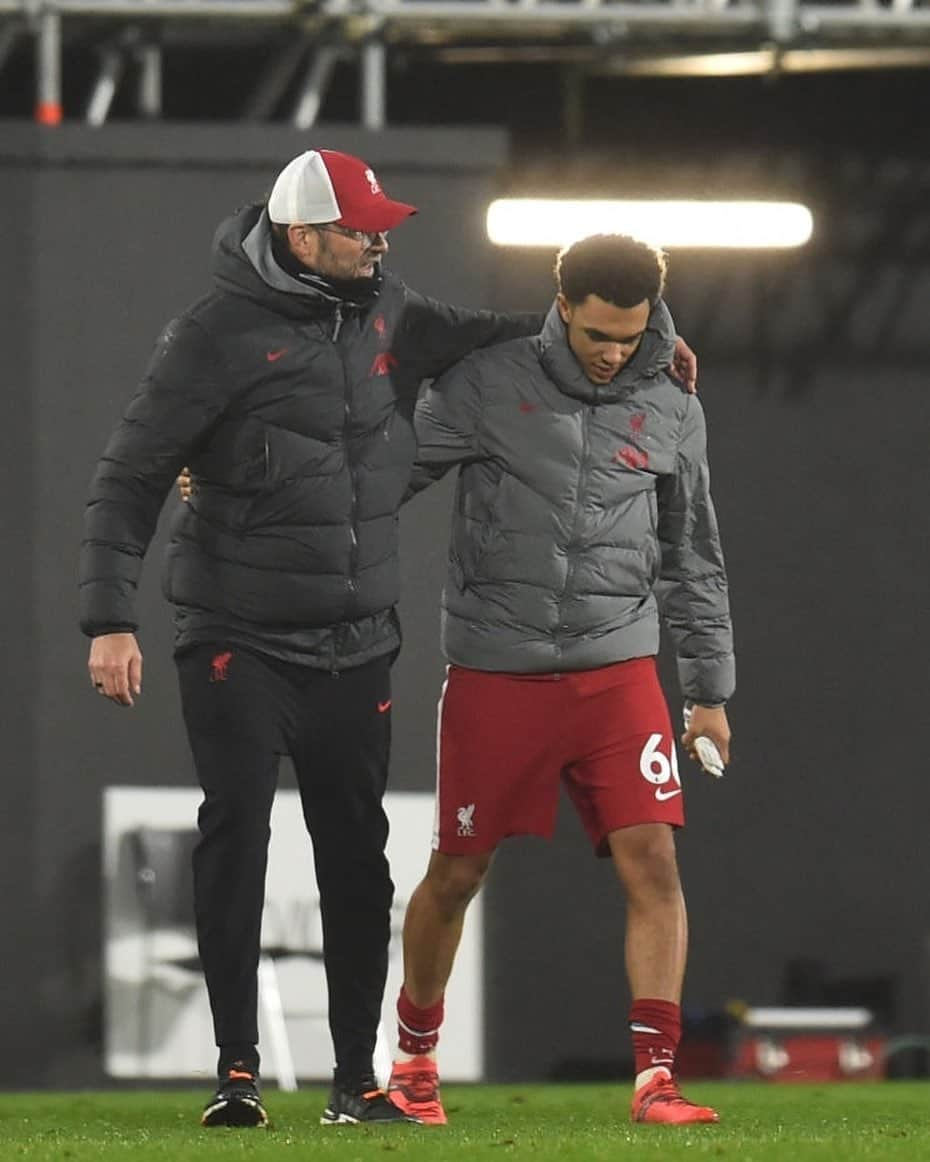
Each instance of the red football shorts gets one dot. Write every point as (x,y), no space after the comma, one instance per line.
(506,741)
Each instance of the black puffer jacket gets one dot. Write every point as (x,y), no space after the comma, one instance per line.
(294,411)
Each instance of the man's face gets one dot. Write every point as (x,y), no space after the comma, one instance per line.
(335,252)
(603,338)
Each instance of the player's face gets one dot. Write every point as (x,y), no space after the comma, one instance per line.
(337,253)
(603,337)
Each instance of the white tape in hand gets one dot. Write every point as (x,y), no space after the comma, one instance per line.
(710,758)
(708,755)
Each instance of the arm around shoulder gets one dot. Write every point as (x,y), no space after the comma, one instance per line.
(447,423)
(435,335)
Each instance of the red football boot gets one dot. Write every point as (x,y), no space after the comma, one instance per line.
(659,1102)
(414,1088)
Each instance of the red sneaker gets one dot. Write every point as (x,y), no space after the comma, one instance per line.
(414,1088)
(659,1102)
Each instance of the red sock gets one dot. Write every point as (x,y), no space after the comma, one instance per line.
(656,1029)
(417,1029)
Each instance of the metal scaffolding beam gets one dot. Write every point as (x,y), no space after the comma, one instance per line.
(628,37)
(314,87)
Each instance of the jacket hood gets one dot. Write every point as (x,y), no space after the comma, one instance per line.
(243,263)
(654,354)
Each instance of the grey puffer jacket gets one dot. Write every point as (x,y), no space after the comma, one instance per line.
(579,507)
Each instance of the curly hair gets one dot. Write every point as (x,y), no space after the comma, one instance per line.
(619,269)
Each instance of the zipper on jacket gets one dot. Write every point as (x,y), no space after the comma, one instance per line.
(351,583)
(338,638)
(582,475)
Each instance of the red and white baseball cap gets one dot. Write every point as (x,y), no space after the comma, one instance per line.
(325,186)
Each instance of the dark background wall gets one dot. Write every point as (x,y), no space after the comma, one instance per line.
(18,679)
(814,378)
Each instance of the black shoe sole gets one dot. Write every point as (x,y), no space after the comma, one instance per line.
(329,1118)
(234,1113)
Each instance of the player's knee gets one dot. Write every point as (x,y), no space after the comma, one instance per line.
(456,880)
(646,862)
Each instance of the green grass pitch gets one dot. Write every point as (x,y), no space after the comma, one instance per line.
(793,1123)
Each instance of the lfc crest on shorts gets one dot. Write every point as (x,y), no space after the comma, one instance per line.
(466,816)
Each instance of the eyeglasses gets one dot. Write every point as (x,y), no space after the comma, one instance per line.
(366,237)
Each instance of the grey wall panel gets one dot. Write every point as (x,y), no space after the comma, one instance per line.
(821,849)
(21,670)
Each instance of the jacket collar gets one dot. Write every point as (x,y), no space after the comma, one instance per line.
(655,353)
(244,262)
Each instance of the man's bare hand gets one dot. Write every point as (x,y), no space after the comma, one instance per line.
(115,667)
(708,722)
(684,365)
(185,484)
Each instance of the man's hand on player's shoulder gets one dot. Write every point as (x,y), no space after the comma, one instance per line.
(185,484)
(684,366)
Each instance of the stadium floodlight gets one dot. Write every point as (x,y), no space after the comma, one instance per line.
(556,222)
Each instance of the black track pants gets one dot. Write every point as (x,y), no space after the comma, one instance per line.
(242,711)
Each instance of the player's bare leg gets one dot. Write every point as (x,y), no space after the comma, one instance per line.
(656,925)
(432,931)
(434,920)
(656,950)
